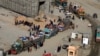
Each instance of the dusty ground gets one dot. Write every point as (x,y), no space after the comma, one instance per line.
(9,33)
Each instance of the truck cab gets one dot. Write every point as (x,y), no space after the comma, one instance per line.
(97,34)
(61,2)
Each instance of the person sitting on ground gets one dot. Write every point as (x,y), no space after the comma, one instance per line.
(45,17)
(59,19)
(51,11)
(73,17)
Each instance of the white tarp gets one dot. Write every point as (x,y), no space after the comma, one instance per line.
(85,41)
(73,35)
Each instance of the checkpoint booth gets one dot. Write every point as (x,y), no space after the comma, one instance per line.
(73,50)
(76,35)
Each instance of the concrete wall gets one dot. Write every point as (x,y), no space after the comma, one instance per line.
(25,7)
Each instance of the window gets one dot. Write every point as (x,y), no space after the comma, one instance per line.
(47,32)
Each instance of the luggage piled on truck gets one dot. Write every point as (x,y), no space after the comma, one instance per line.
(61,26)
(24,43)
(23,20)
(64,24)
(81,12)
(21,44)
(50,30)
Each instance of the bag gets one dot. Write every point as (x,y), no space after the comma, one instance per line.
(64,46)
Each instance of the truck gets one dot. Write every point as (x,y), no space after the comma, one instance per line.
(81,13)
(50,30)
(64,24)
(78,10)
(23,43)
(97,34)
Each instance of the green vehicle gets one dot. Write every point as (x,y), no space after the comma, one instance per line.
(98,34)
(49,33)
(59,3)
(23,43)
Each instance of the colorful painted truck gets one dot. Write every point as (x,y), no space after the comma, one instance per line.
(23,43)
(78,10)
(50,30)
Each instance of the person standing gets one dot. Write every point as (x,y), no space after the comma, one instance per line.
(59,48)
(70,7)
(73,17)
(95,15)
(45,53)
(30,33)
(34,27)
(69,39)
(51,22)
(29,49)
(35,45)
(60,8)
(38,27)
